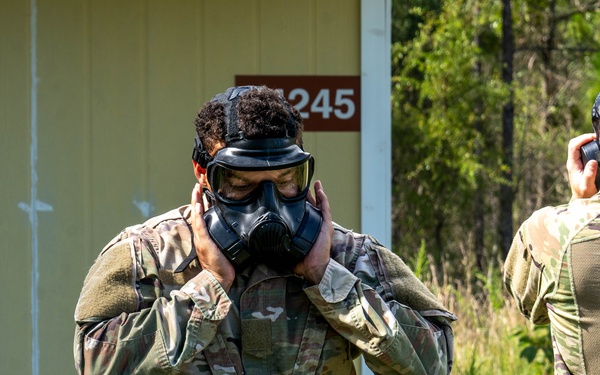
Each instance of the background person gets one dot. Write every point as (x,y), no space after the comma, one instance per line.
(552,269)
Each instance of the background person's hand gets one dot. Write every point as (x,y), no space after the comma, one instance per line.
(209,255)
(581,178)
(313,266)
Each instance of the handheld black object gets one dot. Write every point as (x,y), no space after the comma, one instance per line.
(591,150)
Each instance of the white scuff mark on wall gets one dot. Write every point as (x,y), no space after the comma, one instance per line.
(32,208)
(39,207)
(145,207)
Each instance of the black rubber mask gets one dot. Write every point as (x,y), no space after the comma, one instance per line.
(262,216)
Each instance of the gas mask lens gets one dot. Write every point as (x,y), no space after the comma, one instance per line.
(236,185)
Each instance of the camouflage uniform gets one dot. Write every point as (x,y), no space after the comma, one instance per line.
(552,272)
(135,315)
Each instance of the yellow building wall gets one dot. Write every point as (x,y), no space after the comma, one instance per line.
(103,138)
(15,266)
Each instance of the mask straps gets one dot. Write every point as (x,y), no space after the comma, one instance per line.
(230,100)
(230,103)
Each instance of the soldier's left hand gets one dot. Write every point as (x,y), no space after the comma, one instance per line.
(313,266)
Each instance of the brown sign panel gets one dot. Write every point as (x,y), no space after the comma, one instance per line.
(326,103)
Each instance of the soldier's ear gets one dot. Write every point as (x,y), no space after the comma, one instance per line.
(200,173)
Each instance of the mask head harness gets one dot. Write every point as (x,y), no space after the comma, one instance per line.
(267,223)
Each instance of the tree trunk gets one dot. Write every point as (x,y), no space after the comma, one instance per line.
(478,208)
(506,189)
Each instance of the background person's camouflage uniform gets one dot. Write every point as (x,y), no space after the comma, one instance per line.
(135,315)
(553,272)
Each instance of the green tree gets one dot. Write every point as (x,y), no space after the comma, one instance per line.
(556,43)
(445,96)
(450,95)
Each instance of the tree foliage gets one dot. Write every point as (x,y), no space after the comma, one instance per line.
(448,94)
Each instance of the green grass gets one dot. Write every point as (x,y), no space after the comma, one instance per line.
(491,336)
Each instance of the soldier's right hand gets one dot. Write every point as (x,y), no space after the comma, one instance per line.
(210,257)
(581,177)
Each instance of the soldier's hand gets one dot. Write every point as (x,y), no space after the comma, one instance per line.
(209,255)
(581,177)
(313,266)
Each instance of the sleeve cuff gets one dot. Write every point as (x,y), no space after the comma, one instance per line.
(336,284)
(208,296)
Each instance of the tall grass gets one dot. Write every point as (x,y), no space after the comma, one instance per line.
(491,336)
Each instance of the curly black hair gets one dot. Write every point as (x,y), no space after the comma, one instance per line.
(262,113)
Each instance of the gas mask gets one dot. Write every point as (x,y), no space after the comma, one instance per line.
(259,188)
(262,215)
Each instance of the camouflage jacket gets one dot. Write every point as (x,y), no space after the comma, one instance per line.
(135,315)
(552,272)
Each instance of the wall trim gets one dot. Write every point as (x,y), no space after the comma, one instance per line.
(375,39)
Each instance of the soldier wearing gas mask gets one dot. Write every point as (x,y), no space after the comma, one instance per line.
(254,277)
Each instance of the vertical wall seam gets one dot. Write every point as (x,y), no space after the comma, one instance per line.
(313,69)
(33,203)
(144,203)
(201,30)
(88,184)
(257,24)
